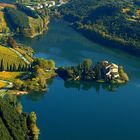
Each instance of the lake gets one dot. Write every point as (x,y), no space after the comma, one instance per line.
(84,111)
(8,1)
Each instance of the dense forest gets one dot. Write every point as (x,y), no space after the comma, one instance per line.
(17,18)
(14,124)
(116,21)
(27,10)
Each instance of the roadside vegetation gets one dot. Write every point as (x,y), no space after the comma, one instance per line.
(41,71)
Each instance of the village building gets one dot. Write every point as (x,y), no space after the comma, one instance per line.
(109,70)
(38,6)
(41,4)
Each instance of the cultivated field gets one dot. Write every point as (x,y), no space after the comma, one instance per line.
(10,57)
(10,76)
(2,84)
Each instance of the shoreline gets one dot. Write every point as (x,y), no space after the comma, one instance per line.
(109,43)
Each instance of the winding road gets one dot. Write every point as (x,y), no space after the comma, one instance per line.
(21,56)
(6,88)
(10,84)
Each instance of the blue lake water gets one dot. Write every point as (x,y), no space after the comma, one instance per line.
(8,1)
(86,111)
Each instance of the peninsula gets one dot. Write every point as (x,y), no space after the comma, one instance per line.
(20,71)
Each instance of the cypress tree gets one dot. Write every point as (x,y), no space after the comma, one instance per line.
(30,67)
(14,67)
(8,68)
(2,65)
(23,68)
(19,67)
(11,67)
(26,67)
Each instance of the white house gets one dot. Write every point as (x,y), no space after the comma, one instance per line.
(110,70)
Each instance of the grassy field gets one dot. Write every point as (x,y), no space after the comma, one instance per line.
(10,76)
(3,25)
(2,84)
(10,57)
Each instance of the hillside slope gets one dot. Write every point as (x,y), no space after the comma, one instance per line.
(16,19)
(14,124)
(9,58)
(110,22)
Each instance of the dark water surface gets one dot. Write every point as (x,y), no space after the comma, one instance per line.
(86,111)
(8,1)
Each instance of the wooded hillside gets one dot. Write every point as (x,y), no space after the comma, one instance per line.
(110,22)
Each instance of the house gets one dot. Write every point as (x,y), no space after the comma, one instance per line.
(61,2)
(51,3)
(45,4)
(39,6)
(109,70)
(32,8)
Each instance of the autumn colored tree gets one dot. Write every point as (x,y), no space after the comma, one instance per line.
(11,42)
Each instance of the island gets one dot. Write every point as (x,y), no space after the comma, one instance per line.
(103,71)
(21,72)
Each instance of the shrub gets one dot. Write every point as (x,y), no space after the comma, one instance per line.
(122,74)
(18,84)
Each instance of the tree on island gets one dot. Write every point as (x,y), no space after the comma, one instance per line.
(103,71)
(87,64)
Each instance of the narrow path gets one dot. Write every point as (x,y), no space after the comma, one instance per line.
(21,56)
(6,88)
(3,91)
(10,84)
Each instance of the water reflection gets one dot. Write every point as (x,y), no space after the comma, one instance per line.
(35,96)
(89,85)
